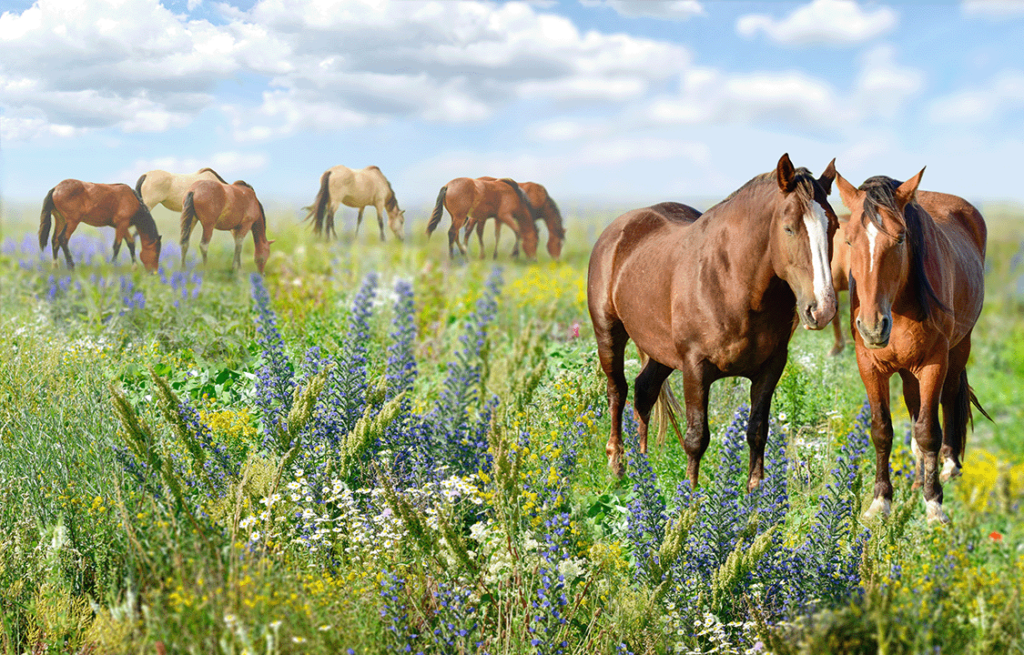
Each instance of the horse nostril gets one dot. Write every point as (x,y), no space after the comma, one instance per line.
(886,324)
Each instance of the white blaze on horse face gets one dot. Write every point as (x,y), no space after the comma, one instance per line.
(872,237)
(816,222)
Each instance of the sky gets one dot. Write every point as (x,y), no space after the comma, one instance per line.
(628,102)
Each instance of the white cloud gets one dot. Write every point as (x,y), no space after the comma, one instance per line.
(883,86)
(663,9)
(822,22)
(1002,93)
(993,9)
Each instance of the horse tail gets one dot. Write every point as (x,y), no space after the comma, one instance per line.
(318,209)
(188,214)
(138,185)
(435,216)
(44,219)
(665,408)
(962,410)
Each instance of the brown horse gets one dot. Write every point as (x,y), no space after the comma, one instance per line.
(233,207)
(917,262)
(840,282)
(714,297)
(160,187)
(340,185)
(544,208)
(483,198)
(72,202)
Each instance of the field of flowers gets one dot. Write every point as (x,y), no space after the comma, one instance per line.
(374,450)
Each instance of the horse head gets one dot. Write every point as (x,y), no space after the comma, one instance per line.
(262,254)
(880,257)
(150,253)
(801,240)
(396,221)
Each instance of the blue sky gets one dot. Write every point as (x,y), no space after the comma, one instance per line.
(600,100)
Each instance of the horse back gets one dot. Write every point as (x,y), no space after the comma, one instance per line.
(94,203)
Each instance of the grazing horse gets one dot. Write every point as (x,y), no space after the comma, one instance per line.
(840,282)
(355,188)
(72,202)
(917,261)
(477,200)
(233,207)
(544,208)
(715,297)
(160,187)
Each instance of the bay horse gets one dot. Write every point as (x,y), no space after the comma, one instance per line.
(160,187)
(101,205)
(840,282)
(544,208)
(470,202)
(713,296)
(233,207)
(917,261)
(340,185)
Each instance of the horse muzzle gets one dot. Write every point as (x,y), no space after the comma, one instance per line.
(816,315)
(877,335)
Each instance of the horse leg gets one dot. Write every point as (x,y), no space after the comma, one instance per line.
(204,243)
(359,219)
(380,220)
(912,397)
(119,235)
(876,384)
(646,389)
(928,432)
(611,347)
(65,236)
(839,341)
(761,390)
(239,238)
(696,384)
(458,220)
(956,409)
(497,236)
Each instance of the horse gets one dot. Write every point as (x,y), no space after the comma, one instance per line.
(716,296)
(840,282)
(355,188)
(544,207)
(917,261)
(160,187)
(233,207)
(477,200)
(72,202)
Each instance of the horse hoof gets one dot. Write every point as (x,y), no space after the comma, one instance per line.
(949,470)
(752,484)
(617,466)
(934,513)
(878,506)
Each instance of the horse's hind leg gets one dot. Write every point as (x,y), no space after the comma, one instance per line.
(839,341)
(380,221)
(458,220)
(359,219)
(761,390)
(956,410)
(497,236)
(611,347)
(646,389)
(122,235)
(204,244)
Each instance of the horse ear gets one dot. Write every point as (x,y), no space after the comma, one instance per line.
(846,191)
(786,173)
(905,193)
(828,176)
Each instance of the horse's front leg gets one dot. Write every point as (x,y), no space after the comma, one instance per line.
(239,238)
(876,384)
(497,237)
(956,409)
(928,432)
(696,385)
(380,221)
(761,390)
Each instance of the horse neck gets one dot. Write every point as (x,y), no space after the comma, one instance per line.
(259,229)
(742,239)
(145,225)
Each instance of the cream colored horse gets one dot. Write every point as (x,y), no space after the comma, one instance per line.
(156,187)
(355,188)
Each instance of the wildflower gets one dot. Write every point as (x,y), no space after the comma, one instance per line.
(995,536)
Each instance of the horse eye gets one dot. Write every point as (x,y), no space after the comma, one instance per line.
(901,238)
(789,230)
(848,242)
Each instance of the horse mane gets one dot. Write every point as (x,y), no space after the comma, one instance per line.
(143,220)
(215,174)
(391,202)
(879,193)
(555,225)
(804,185)
(241,183)
(522,197)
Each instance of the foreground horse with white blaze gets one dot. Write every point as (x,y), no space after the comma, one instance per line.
(714,295)
(917,284)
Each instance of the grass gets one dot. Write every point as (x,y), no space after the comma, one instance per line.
(391,451)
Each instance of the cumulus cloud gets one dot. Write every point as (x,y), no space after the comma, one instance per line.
(662,9)
(883,86)
(822,22)
(1003,93)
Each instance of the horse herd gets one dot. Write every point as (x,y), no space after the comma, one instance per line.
(204,197)
(713,296)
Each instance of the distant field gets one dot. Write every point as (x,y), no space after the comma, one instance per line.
(373,448)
